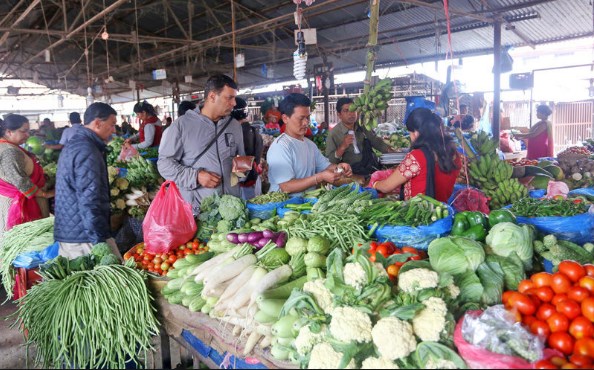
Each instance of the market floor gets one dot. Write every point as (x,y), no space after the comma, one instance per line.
(12,349)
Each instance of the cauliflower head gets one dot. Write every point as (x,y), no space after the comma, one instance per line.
(350,325)
(454,291)
(417,279)
(307,339)
(122,183)
(114,192)
(355,275)
(323,356)
(393,338)
(320,293)
(378,363)
(430,321)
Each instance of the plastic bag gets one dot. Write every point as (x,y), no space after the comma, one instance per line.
(169,221)
(557,188)
(467,198)
(30,260)
(127,153)
(586,192)
(476,356)
(418,237)
(269,210)
(578,229)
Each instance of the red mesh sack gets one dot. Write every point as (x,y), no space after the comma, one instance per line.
(169,221)
(470,199)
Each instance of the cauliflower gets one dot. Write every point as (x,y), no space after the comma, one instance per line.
(355,275)
(417,279)
(120,204)
(112,172)
(320,293)
(454,291)
(393,338)
(306,340)
(350,325)
(378,363)
(114,192)
(323,356)
(440,364)
(122,183)
(430,322)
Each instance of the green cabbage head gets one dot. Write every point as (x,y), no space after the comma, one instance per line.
(455,255)
(506,237)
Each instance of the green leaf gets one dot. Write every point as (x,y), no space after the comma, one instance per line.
(410,265)
(491,276)
(405,313)
(436,351)
(471,289)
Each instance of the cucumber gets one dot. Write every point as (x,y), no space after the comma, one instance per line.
(194,259)
(186,301)
(284,291)
(176,298)
(196,304)
(176,284)
(181,263)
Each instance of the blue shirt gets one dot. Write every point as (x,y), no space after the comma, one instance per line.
(289,159)
(68,133)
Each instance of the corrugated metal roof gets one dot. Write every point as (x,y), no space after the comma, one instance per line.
(407,32)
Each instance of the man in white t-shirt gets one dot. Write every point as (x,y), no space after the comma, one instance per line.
(295,162)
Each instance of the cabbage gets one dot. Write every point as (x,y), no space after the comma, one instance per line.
(471,289)
(513,269)
(491,276)
(506,237)
(455,255)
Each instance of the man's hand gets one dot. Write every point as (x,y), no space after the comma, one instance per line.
(346,169)
(208,179)
(347,141)
(329,175)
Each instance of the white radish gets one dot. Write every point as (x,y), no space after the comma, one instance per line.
(235,285)
(211,263)
(274,277)
(237,330)
(265,342)
(251,343)
(265,330)
(243,297)
(230,271)
(214,270)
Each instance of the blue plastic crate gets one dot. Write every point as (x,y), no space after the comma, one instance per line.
(548,266)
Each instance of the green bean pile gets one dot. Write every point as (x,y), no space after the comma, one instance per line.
(98,318)
(273,197)
(344,230)
(27,237)
(530,207)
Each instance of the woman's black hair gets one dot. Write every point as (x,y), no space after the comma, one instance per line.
(98,110)
(544,109)
(432,136)
(185,106)
(12,122)
(144,106)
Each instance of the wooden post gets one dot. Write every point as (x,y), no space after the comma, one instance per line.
(496,80)
(372,44)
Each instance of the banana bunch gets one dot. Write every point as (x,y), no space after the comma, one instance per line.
(508,192)
(488,171)
(142,172)
(482,143)
(371,105)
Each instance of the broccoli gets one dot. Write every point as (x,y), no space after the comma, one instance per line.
(539,246)
(101,249)
(231,208)
(81,263)
(589,247)
(549,240)
(224,226)
(109,259)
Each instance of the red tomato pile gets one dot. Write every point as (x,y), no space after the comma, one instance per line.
(560,308)
(387,249)
(161,263)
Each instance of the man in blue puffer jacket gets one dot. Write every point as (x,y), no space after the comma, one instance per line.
(82,185)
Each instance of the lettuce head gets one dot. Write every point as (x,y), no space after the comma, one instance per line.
(506,238)
(455,255)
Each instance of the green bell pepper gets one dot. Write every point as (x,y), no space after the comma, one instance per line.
(501,215)
(477,218)
(460,224)
(476,232)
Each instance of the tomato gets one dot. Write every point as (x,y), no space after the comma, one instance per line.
(541,328)
(528,320)
(587,282)
(372,247)
(560,283)
(397,251)
(588,308)
(127,255)
(544,364)
(188,251)
(415,258)
(195,244)
(522,303)
(581,327)
(573,270)
(392,270)
(179,254)
(182,247)
(372,257)
(544,293)
(558,360)
(139,266)
(384,250)
(571,309)
(505,296)
(558,322)
(140,251)
(172,258)
(584,346)
(147,257)
(559,298)
(589,269)
(569,365)
(561,341)
(542,279)
(581,361)
(410,250)
(578,294)
(145,263)
(165,266)
(525,285)
(157,260)
(545,311)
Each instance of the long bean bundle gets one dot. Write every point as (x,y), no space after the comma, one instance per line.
(342,229)
(99,318)
(27,237)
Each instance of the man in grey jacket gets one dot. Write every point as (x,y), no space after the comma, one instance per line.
(185,155)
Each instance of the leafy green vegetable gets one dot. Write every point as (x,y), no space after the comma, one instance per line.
(512,267)
(432,351)
(455,255)
(505,238)
(275,258)
(471,289)
(491,277)
(100,250)
(318,244)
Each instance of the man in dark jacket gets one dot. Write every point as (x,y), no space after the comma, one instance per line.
(82,186)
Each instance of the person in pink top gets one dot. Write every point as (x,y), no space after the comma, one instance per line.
(540,137)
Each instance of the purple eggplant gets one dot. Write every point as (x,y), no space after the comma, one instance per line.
(233,238)
(281,239)
(243,238)
(268,234)
(262,242)
(254,236)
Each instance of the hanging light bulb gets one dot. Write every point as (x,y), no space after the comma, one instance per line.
(90,97)
(300,58)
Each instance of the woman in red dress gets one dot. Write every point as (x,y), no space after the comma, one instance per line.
(540,137)
(432,165)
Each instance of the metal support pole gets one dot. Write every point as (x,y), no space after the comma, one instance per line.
(497,80)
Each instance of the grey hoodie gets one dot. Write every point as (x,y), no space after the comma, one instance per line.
(186,138)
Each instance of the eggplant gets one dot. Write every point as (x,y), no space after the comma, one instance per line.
(243,238)
(262,242)
(268,234)
(281,239)
(233,238)
(254,236)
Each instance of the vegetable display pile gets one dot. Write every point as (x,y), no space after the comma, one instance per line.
(27,237)
(61,267)
(114,149)
(142,172)
(150,153)
(419,210)
(273,197)
(555,250)
(90,319)
(161,264)
(530,207)
(221,214)
(346,198)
